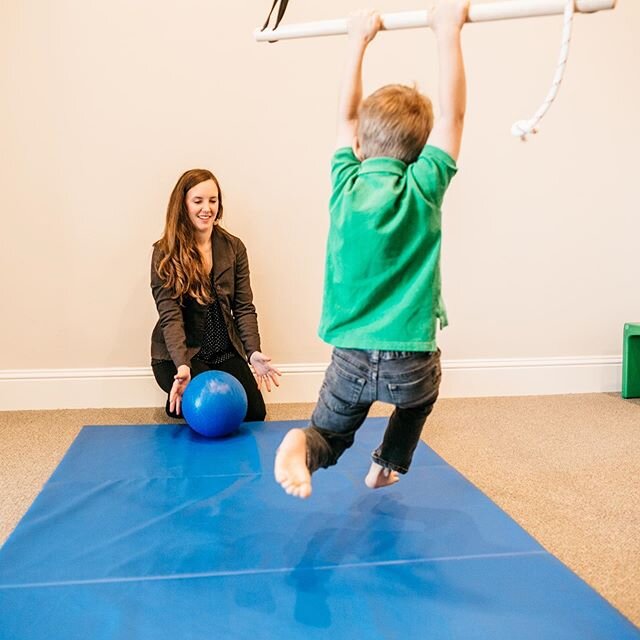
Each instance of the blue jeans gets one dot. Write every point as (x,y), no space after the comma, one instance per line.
(354,380)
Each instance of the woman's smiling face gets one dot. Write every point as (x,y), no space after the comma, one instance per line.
(202,205)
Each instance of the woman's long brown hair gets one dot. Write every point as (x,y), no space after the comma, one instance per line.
(180,264)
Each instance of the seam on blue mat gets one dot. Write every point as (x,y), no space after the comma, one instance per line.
(243,572)
(54,481)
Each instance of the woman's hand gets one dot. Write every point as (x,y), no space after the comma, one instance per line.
(181,380)
(263,371)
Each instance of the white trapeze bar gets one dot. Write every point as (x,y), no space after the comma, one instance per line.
(478,12)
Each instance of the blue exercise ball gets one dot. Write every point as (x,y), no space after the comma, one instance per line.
(214,404)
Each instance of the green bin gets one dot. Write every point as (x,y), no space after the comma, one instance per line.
(631,360)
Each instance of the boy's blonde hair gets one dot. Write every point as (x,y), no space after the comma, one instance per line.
(394,121)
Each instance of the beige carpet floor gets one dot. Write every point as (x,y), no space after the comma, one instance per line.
(566,468)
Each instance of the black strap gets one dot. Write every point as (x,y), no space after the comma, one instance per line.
(281,10)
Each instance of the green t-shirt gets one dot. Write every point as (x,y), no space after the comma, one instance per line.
(382,274)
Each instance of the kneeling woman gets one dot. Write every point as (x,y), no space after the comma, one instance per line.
(200,283)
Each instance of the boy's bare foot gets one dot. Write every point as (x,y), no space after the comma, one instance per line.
(378,477)
(290,469)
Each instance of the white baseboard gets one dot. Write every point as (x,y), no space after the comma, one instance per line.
(531,376)
(136,387)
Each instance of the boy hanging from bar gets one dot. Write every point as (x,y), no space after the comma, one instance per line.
(382,293)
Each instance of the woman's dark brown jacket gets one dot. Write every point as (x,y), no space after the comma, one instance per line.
(179,332)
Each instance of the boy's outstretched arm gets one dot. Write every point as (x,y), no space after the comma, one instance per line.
(447,20)
(363,27)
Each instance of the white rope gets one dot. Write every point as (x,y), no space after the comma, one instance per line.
(522,128)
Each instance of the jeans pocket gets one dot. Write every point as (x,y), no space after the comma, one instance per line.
(421,390)
(341,389)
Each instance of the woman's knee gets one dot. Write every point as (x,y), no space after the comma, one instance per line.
(171,414)
(256,409)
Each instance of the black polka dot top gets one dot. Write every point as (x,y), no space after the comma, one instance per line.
(216,346)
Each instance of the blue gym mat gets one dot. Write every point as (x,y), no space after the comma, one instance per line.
(153,532)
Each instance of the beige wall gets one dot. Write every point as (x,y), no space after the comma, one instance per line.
(104,104)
